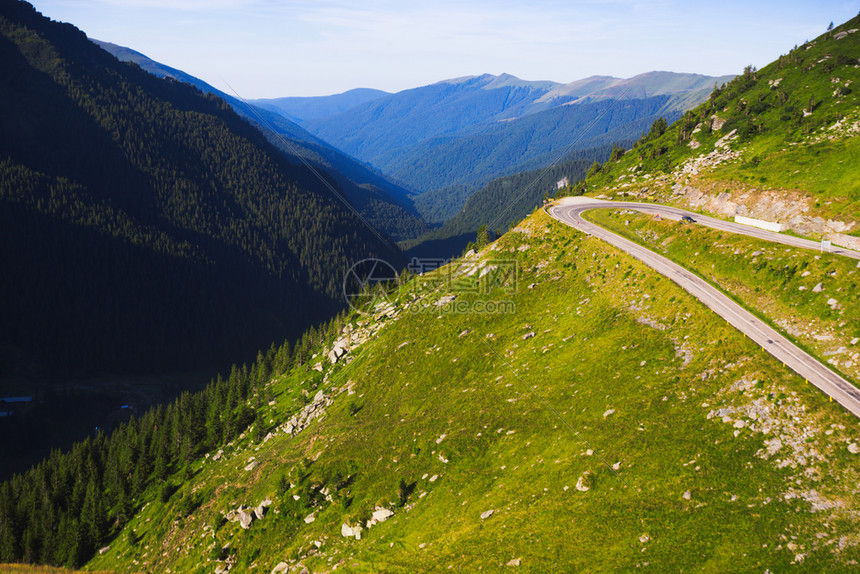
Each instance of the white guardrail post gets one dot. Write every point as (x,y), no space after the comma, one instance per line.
(761,224)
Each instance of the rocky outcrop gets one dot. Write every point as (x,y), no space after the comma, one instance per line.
(790,208)
(381,514)
(720,154)
(336,353)
(348,531)
(260,509)
(245,515)
(245,519)
(445,300)
(843,240)
(314,410)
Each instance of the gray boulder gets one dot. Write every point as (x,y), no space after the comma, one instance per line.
(260,512)
(382,514)
(245,519)
(335,354)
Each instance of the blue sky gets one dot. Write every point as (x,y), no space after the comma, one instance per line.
(267,48)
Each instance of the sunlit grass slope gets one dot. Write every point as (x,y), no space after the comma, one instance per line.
(610,422)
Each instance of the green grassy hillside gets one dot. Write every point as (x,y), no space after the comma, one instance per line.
(786,134)
(812,298)
(609,422)
(27,569)
(548,404)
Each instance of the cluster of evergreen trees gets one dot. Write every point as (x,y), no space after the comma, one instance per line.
(62,510)
(504,200)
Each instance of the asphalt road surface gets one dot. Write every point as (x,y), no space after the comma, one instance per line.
(839,389)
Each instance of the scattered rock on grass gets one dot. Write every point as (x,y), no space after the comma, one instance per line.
(335,354)
(245,519)
(584,482)
(445,300)
(348,531)
(382,514)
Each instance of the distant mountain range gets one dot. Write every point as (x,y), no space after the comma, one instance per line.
(143,222)
(386,205)
(312,108)
(442,142)
(502,201)
(454,136)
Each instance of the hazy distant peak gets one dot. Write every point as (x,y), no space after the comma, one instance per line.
(654,83)
(661,82)
(511,81)
(493,82)
(460,79)
(580,88)
(365,92)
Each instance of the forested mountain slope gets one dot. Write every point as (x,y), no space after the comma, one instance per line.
(384,204)
(525,144)
(506,200)
(466,131)
(145,225)
(545,404)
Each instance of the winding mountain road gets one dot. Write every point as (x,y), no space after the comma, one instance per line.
(569,211)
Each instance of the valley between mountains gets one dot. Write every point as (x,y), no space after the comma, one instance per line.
(486,324)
